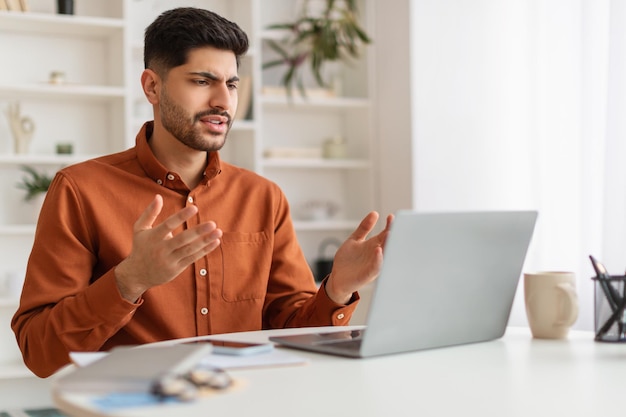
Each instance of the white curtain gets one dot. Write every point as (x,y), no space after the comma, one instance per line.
(521,104)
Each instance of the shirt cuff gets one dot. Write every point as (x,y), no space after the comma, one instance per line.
(105,300)
(340,313)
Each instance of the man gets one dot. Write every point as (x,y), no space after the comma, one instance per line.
(164,240)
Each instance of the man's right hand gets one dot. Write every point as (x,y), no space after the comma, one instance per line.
(157,255)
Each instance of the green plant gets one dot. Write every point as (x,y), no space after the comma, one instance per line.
(34,182)
(332,35)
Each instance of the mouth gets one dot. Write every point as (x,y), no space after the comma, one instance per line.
(215,123)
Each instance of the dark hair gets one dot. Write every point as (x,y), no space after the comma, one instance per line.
(175,32)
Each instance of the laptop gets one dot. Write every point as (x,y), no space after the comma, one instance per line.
(447,279)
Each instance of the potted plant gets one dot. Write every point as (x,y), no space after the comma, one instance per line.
(331,35)
(34,182)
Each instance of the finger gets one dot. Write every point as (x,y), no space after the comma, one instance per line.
(366,226)
(170,224)
(149,215)
(198,253)
(390,218)
(383,235)
(199,235)
(201,245)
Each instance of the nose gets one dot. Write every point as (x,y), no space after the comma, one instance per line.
(220,97)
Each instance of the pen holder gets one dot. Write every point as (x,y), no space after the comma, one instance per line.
(609,305)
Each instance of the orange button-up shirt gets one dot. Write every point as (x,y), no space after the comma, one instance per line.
(256,279)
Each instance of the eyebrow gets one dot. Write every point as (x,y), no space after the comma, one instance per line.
(212,76)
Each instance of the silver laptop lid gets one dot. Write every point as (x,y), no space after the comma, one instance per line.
(447,279)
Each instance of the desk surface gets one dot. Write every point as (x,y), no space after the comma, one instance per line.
(513,376)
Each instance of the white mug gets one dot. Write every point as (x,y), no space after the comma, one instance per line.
(551,303)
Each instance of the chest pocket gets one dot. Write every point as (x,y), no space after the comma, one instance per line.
(246,262)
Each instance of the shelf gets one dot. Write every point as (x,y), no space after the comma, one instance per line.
(53,24)
(325,225)
(316,163)
(45,90)
(314,102)
(43,159)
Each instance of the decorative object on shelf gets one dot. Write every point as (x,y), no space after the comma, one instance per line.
(65,148)
(293,153)
(65,6)
(279,152)
(36,185)
(318,37)
(324,262)
(57,77)
(22,128)
(335,148)
(317,210)
(34,182)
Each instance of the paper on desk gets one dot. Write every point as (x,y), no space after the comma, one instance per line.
(276,357)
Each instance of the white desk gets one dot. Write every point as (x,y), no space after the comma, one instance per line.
(512,376)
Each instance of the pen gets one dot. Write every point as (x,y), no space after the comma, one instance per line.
(616,302)
(603,276)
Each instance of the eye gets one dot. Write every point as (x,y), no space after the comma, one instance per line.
(201,81)
(233,86)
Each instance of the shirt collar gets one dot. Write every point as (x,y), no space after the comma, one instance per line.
(157,172)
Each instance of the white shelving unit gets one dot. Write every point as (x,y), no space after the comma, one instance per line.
(101,106)
(90,110)
(308,122)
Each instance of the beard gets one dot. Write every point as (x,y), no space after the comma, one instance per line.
(177,122)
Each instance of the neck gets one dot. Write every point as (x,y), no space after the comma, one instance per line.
(189,163)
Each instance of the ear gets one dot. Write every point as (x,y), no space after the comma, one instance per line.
(151,84)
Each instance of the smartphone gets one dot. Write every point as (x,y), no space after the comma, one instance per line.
(226,347)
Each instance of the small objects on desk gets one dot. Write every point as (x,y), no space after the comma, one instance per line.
(211,377)
(609,304)
(174,386)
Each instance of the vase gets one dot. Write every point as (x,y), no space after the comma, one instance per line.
(65,6)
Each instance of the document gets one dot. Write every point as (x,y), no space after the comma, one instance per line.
(276,357)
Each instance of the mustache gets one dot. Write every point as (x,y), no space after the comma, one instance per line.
(200,115)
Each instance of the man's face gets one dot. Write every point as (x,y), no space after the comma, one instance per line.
(198,100)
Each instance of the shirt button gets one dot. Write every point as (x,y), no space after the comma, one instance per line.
(204,311)
(160,181)
(190,199)
(340,316)
(203,272)
(171,177)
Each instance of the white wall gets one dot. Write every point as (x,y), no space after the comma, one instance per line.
(393,98)
(493,119)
